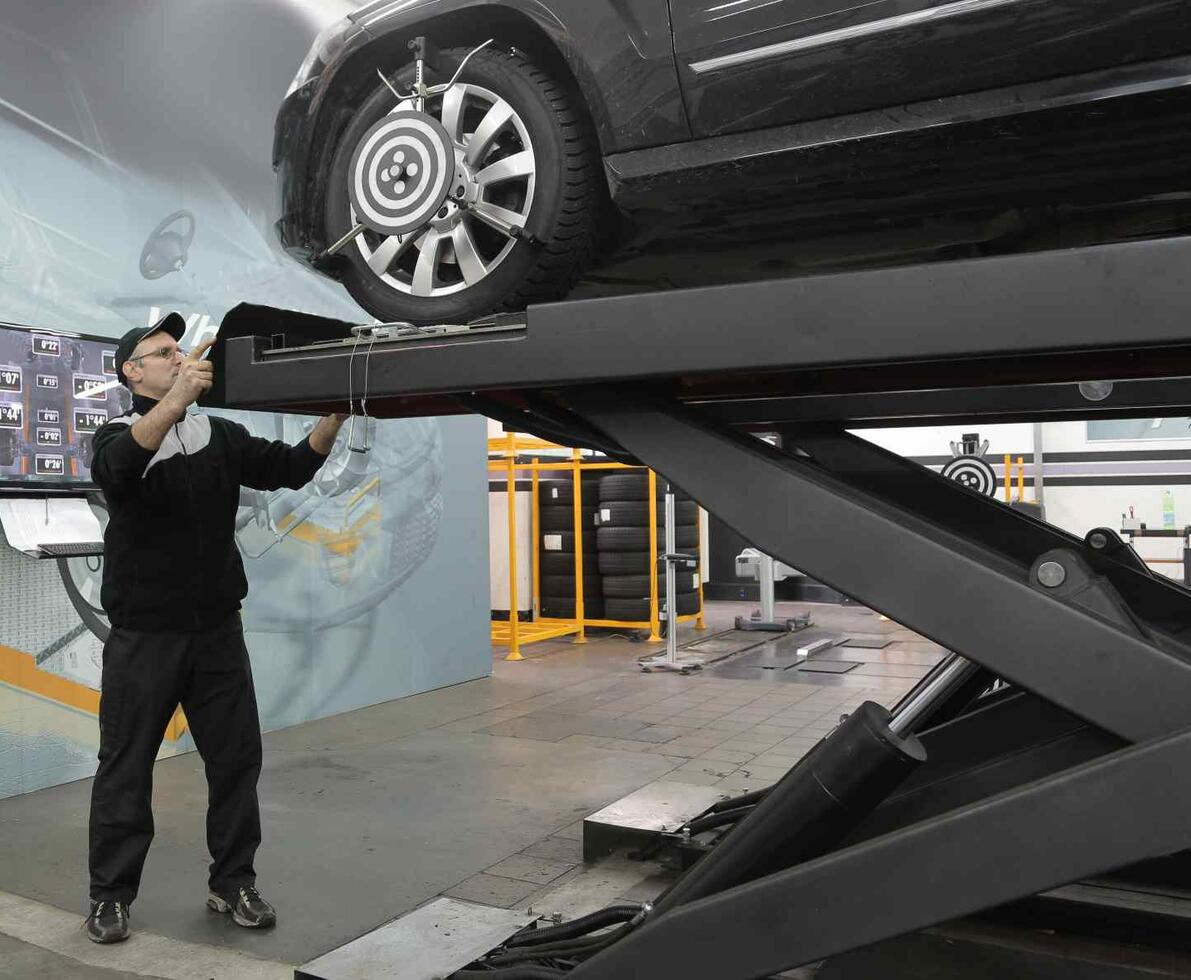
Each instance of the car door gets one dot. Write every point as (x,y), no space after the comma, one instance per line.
(750,64)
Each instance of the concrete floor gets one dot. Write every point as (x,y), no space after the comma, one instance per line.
(29,962)
(474,791)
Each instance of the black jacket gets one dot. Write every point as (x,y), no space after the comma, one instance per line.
(170,557)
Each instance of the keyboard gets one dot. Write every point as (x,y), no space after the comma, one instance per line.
(72,549)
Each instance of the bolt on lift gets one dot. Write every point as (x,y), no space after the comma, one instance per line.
(1051,748)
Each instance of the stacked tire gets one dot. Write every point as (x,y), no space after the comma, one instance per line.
(622,540)
(556,501)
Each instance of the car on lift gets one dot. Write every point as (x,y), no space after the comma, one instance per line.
(685,142)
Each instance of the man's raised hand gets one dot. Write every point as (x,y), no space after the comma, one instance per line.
(194,377)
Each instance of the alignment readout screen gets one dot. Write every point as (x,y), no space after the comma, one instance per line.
(55,392)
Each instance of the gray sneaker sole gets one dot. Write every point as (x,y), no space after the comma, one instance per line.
(217,904)
(109,940)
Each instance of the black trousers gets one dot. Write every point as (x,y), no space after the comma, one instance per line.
(145,676)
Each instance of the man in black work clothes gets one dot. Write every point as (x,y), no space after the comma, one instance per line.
(172,585)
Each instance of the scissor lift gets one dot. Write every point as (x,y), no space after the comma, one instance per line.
(1078,764)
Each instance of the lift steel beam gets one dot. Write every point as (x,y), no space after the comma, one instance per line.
(989,405)
(1106,643)
(1090,819)
(954,566)
(677,380)
(1113,312)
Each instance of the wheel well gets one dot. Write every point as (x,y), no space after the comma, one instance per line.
(356,79)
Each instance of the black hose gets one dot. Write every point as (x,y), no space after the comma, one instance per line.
(570,949)
(718,819)
(745,799)
(516,973)
(609,916)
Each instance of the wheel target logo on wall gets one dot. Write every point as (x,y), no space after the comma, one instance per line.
(969,468)
(972,472)
(401,172)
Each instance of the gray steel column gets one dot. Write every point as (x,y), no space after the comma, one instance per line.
(1039,456)
(671,590)
(765,587)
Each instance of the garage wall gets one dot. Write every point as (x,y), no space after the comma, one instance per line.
(1088,481)
(131,133)
(1093,482)
(934,442)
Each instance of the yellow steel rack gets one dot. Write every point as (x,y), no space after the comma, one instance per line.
(514,633)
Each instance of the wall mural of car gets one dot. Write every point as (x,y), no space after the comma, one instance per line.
(134,179)
(683,142)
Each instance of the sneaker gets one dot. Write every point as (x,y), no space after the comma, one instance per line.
(249,909)
(108,922)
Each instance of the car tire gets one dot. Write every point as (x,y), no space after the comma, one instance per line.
(623,563)
(637,539)
(562,200)
(558,608)
(611,563)
(564,585)
(635,513)
(565,541)
(563,563)
(563,518)
(637,586)
(637,610)
(633,486)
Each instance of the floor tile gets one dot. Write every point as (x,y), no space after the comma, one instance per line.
(494,890)
(559,849)
(698,778)
(726,755)
(526,867)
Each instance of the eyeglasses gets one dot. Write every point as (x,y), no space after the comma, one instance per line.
(165,353)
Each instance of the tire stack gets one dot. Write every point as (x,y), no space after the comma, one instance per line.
(623,546)
(556,552)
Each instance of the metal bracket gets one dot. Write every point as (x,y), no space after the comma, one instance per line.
(426,55)
(1105,541)
(1064,575)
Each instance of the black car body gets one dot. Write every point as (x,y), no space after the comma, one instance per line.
(748,138)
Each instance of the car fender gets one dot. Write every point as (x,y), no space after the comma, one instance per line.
(624,67)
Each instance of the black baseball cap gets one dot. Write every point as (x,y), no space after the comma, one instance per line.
(171,323)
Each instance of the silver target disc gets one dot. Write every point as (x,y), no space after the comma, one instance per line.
(974,473)
(401,172)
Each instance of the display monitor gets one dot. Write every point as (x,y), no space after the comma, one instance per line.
(56,390)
